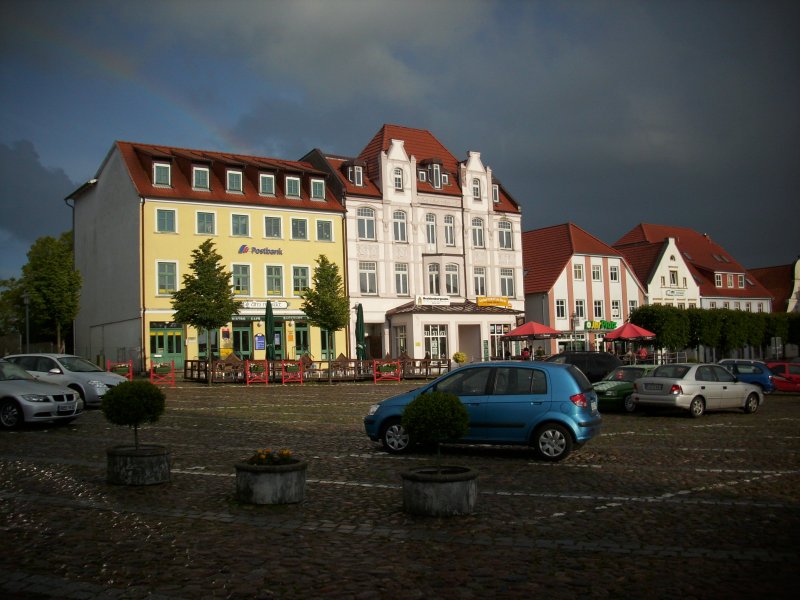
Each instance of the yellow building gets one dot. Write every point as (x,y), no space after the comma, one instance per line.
(138,221)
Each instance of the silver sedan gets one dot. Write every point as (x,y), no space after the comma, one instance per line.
(696,388)
(23,399)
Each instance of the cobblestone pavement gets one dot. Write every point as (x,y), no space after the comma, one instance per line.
(659,506)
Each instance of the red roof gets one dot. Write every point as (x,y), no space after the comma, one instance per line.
(547,251)
(779,281)
(139,159)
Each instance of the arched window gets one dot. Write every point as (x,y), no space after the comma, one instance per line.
(505,241)
(430,228)
(477,233)
(451,279)
(433,279)
(399,224)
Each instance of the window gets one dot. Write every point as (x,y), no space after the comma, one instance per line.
(580,309)
(561,309)
(430,228)
(673,278)
(477,233)
(401,279)
(717,280)
(495,194)
(613,273)
(293,187)
(433,280)
(479,280)
(712,304)
(299,229)
(240,225)
(748,307)
(476,189)
(449,230)
(366,223)
(200,178)
(274,280)
(165,220)
(436,344)
(317,189)
(598,309)
(496,345)
(616,308)
(451,279)
(445,179)
(325,231)
(368,277)
(400,340)
(436,175)
(398,179)
(726,305)
(632,306)
(741,280)
(422,176)
(272,227)
(167,277)
(234,181)
(266,184)
(505,238)
(760,307)
(399,225)
(205,223)
(299,280)
(577,272)
(507,282)
(684,282)
(511,381)
(597,273)
(730,281)
(161,174)
(358,176)
(241,280)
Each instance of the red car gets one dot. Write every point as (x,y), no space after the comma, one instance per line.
(787,376)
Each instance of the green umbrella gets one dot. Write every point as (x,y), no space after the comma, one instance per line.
(269,323)
(361,338)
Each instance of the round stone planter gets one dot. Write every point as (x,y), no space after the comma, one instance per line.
(440,491)
(148,464)
(271,484)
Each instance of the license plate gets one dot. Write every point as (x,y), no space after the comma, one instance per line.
(656,387)
(66,408)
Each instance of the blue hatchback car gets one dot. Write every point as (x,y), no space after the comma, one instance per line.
(751,371)
(550,406)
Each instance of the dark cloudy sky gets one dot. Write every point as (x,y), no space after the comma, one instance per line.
(605,113)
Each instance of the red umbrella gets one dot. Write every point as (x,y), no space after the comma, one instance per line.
(630,332)
(534,330)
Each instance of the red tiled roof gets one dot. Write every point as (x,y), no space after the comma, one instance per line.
(642,258)
(139,158)
(779,281)
(369,189)
(547,251)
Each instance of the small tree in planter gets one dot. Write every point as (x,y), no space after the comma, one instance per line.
(435,417)
(133,403)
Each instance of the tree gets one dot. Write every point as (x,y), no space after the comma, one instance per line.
(206,300)
(325,303)
(52,284)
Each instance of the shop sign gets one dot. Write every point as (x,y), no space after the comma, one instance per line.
(260,341)
(262,304)
(493,301)
(674,293)
(433,301)
(245,249)
(599,325)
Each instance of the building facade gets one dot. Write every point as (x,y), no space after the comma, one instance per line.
(138,221)
(783,282)
(433,246)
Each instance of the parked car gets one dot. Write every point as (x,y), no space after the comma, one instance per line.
(750,371)
(696,388)
(551,407)
(23,399)
(595,365)
(786,376)
(615,390)
(86,378)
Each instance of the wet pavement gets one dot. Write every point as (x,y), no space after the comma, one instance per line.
(659,506)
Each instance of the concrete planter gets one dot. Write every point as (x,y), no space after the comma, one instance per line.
(271,484)
(440,492)
(149,464)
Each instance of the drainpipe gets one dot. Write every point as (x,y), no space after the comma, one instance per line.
(142,283)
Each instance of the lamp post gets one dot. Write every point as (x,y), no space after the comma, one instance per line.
(575,322)
(27,300)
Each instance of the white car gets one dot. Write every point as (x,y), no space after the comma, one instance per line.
(74,372)
(696,388)
(23,399)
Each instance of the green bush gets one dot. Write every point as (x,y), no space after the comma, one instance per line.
(435,417)
(132,403)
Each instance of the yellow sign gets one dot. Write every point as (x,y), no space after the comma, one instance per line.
(493,301)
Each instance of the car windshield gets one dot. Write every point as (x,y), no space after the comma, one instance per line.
(624,374)
(9,371)
(78,364)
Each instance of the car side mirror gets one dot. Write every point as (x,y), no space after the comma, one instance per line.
(55,371)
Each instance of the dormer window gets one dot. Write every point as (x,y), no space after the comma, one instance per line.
(718,280)
(266,184)
(355,174)
(476,189)
(741,280)
(162,174)
(234,179)
(445,179)
(436,175)
(293,187)
(495,193)
(422,176)
(318,189)
(200,178)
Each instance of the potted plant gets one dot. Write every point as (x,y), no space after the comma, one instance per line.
(438,490)
(460,358)
(271,477)
(133,403)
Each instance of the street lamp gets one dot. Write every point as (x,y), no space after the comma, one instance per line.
(27,300)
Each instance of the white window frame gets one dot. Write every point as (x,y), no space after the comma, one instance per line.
(323,223)
(166,291)
(240,279)
(740,282)
(166,211)
(507,282)
(580,309)
(401,279)
(232,178)
(597,273)
(197,171)
(616,309)
(297,220)
(273,274)
(632,306)
(300,274)
(730,280)
(233,225)
(449,230)
(577,271)
(318,189)
(399,230)
(436,175)
(358,176)
(213,222)
(398,178)
(422,176)
(561,309)
(718,280)
(266,184)
(477,233)
(479,280)
(452,279)
(613,273)
(430,228)
(434,281)
(368,278)
(505,235)
(495,193)
(290,180)
(599,311)
(159,168)
(365,218)
(273,220)
(476,188)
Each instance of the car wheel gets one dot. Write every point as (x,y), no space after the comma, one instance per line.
(552,442)
(10,414)
(630,404)
(751,404)
(395,438)
(697,407)
(78,389)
